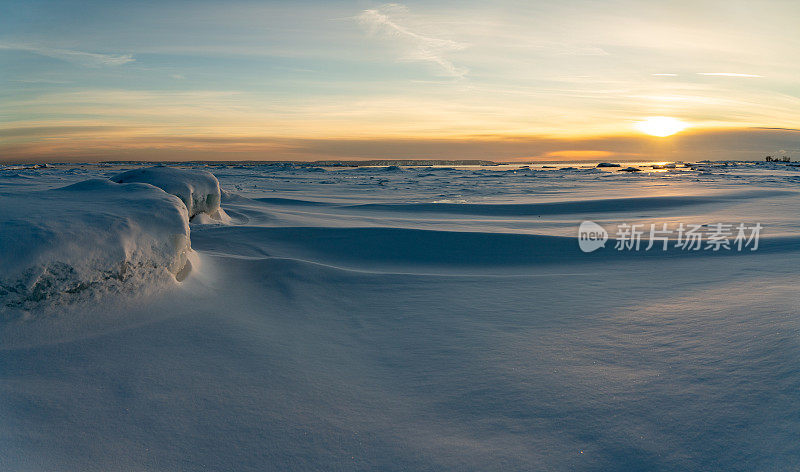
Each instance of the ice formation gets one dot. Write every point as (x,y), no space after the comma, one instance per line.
(94,234)
(198,190)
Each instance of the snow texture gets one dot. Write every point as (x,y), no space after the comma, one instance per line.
(426,319)
(197,189)
(60,243)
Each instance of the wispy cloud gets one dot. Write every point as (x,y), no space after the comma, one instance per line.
(153,144)
(729,74)
(88,59)
(417,47)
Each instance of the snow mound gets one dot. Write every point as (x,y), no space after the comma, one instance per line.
(216,218)
(198,190)
(86,238)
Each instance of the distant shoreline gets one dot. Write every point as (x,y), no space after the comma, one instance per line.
(368,162)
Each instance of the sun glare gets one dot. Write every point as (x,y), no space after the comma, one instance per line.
(661,126)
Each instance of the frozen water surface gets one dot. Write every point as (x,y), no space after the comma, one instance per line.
(423,319)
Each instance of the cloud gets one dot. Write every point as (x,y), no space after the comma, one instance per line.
(88,59)
(729,74)
(55,130)
(582,154)
(417,47)
(553,48)
(91,143)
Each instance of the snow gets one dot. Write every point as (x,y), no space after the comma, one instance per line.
(93,235)
(214,218)
(343,320)
(197,189)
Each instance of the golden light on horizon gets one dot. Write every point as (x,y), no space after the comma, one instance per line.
(661,126)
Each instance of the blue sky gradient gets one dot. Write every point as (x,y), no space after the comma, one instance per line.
(507,81)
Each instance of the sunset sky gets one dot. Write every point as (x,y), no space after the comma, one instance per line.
(510,80)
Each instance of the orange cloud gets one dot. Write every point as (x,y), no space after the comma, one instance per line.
(578,155)
(114,143)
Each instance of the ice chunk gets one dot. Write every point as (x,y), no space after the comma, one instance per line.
(197,189)
(91,235)
(218,217)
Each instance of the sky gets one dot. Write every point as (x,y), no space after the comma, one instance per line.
(306,80)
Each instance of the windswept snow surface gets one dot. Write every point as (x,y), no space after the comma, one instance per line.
(197,189)
(344,320)
(86,239)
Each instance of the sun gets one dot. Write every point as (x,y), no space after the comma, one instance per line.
(661,126)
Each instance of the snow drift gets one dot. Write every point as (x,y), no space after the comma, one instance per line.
(344,325)
(90,235)
(198,190)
